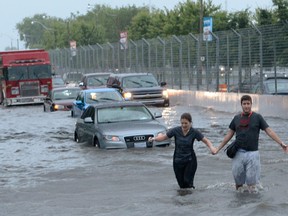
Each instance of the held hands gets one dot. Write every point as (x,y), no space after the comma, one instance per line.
(213,150)
(284,147)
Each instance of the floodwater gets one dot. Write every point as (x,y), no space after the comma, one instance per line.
(44,172)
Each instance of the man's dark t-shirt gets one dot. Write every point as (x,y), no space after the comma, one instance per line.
(247,128)
(184,144)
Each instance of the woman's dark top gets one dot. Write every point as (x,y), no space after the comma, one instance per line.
(184,144)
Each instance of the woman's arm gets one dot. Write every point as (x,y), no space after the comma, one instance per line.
(158,138)
(209,145)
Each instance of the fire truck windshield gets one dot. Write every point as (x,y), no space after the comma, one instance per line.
(28,72)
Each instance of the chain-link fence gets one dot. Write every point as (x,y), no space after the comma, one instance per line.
(188,62)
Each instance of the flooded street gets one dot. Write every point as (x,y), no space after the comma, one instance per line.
(44,172)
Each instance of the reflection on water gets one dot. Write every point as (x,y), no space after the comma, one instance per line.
(38,156)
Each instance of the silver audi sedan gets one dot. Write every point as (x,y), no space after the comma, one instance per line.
(119,125)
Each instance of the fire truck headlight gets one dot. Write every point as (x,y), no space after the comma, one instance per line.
(15,90)
(44,88)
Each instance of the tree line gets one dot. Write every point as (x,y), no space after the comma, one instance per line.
(102,23)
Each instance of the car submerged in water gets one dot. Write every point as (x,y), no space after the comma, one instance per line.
(119,125)
(141,87)
(94,80)
(57,81)
(93,96)
(60,99)
(272,86)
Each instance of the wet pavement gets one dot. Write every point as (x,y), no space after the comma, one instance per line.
(44,172)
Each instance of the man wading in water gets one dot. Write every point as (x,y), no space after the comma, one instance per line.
(246,163)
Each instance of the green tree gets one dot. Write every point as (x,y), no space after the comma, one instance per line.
(264,16)
(139,25)
(281,10)
(239,19)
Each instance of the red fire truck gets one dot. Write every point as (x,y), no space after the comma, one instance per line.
(25,75)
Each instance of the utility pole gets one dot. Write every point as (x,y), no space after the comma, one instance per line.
(48,29)
(199,80)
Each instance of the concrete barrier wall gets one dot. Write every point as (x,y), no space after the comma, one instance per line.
(267,105)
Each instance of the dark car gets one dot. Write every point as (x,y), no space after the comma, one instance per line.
(94,80)
(119,125)
(247,85)
(57,81)
(91,96)
(269,86)
(60,98)
(141,87)
(72,78)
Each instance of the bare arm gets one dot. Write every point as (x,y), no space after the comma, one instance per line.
(226,139)
(158,138)
(209,145)
(275,137)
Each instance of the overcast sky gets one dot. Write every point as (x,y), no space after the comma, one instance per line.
(14,11)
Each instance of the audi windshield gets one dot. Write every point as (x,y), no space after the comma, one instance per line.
(123,114)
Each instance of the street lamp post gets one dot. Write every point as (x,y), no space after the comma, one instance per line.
(200,59)
(11,40)
(46,28)
(89,8)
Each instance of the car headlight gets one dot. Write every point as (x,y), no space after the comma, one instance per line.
(111,138)
(165,94)
(14,90)
(127,95)
(44,88)
(58,107)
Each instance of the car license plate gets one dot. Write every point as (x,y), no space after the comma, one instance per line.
(140,145)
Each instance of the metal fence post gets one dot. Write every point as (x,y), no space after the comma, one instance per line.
(239,59)
(113,55)
(93,56)
(217,60)
(180,60)
(198,57)
(137,58)
(102,55)
(163,57)
(149,55)
(260,56)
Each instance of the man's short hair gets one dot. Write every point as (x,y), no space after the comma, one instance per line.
(246,98)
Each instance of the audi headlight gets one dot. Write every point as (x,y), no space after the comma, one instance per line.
(112,138)
(127,95)
(165,94)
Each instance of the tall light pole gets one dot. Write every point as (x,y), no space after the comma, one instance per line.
(101,11)
(200,58)
(201,17)
(11,40)
(46,28)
